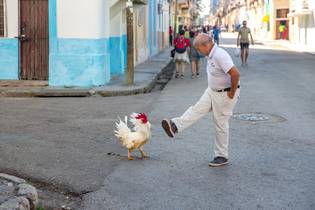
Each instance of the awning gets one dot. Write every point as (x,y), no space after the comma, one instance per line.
(300,13)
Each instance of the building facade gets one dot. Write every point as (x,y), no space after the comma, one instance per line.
(302,22)
(81,45)
(292,20)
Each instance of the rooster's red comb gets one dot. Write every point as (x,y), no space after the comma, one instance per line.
(142,117)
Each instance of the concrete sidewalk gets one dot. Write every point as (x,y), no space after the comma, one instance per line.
(146,74)
(285,44)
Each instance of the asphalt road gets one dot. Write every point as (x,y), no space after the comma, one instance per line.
(66,141)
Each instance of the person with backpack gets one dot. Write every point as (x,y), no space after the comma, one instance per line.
(181,56)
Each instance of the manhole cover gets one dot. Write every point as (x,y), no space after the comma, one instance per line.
(258,117)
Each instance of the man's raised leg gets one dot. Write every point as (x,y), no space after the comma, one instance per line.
(192,115)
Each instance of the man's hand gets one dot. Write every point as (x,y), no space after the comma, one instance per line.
(238,39)
(231,94)
(235,78)
(251,37)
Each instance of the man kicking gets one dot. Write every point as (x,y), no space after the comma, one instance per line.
(220,97)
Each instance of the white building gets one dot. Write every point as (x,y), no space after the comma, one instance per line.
(75,42)
(302,23)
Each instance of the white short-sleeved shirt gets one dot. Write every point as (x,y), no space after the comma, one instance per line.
(218,66)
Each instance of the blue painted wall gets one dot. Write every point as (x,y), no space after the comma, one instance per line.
(76,62)
(79,62)
(83,62)
(124,48)
(9,63)
(72,62)
(87,62)
(118,53)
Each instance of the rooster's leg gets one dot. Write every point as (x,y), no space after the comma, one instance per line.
(143,154)
(129,155)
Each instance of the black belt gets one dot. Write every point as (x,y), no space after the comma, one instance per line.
(226,89)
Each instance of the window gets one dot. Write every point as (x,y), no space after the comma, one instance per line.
(2,18)
(282,13)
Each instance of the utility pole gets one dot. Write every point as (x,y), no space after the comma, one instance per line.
(130,45)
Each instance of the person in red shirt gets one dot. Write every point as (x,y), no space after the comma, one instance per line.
(182,45)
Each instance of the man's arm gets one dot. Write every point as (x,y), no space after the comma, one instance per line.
(238,39)
(235,78)
(250,33)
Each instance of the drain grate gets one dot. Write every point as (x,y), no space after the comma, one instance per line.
(258,117)
(251,117)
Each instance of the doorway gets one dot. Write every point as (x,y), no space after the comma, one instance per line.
(34,39)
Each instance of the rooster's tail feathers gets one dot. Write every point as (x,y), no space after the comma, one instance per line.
(122,130)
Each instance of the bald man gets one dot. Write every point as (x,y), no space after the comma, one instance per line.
(220,97)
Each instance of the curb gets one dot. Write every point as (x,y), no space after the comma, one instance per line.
(88,92)
(133,90)
(46,93)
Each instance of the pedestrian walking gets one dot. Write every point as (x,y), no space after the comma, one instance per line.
(170,32)
(204,30)
(282,29)
(186,34)
(181,56)
(243,40)
(194,57)
(216,33)
(220,97)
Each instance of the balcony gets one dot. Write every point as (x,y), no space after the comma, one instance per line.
(140,1)
(183,4)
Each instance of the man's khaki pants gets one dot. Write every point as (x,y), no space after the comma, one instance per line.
(222,107)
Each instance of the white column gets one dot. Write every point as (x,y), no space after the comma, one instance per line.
(12,21)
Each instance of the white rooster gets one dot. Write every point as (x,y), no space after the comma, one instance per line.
(136,137)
